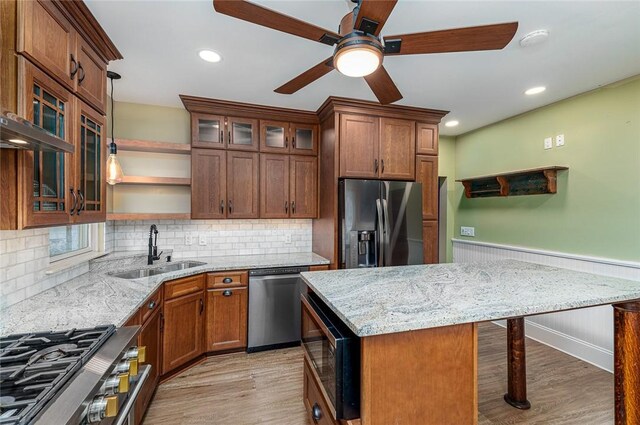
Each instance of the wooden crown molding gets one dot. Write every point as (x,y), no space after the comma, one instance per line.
(205,105)
(335,104)
(87,24)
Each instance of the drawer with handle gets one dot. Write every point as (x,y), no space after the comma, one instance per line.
(185,286)
(153,303)
(223,280)
(317,409)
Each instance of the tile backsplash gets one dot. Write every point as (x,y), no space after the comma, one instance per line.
(220,237)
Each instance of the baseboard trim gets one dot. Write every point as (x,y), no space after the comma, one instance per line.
(600,260)
(568,344)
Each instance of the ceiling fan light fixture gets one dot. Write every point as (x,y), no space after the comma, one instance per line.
(358,55)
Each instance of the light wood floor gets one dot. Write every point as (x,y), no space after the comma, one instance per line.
(266,388)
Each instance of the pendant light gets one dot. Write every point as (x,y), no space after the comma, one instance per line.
(114,170)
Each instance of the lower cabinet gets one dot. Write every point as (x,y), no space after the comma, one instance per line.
(314,402)
(182,333)
(150,337)
(430,240)
(226,326)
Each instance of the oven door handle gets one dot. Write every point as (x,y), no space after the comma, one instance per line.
(131,400)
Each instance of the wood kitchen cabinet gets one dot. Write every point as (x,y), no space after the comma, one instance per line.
(208,183)
(427,175)
(150,337)
(221,132)
(226,325)
(224,184)
(288,186)
(372,147)
(430,241)
(50,40)
(286,137)
(426,138)
(184,313)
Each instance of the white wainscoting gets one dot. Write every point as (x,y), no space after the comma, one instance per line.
(586,333)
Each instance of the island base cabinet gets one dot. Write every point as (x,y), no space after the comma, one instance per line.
(226,326)
(317,409)
(182,336)
(426,377)
(149,337)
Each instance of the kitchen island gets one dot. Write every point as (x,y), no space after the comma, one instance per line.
(418,332)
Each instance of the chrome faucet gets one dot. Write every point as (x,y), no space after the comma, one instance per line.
(153,245)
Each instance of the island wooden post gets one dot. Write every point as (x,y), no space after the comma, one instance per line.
(627,362)
(516,365)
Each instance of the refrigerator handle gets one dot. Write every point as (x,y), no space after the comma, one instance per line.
(387,231)
(380,234)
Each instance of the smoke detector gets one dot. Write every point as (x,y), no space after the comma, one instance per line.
(535,37)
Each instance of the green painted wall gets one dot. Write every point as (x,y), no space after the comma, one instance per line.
(597,208)
(447,168)
(149,122)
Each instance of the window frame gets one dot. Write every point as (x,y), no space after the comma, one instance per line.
(94,243)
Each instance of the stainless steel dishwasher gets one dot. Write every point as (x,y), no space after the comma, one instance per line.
(274,308)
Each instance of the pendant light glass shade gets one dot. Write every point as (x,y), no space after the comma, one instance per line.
(114,170)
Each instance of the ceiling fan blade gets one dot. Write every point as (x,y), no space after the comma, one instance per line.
(372,15)
(383,86)
(307,77)
(484,37)
(253,13)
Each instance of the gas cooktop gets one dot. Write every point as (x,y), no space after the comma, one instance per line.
(35,366)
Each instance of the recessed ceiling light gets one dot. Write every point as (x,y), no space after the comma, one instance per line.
(451,123)
(209,56)
(535,90)
(18,141)
(534,37)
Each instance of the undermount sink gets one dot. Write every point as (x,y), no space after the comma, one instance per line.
(171,267)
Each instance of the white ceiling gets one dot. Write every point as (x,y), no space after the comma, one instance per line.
(591,43)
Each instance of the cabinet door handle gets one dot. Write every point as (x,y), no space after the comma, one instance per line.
(382,163)
(230,140)
(227,293)
(152,305)
(286,141)
(75,201)
(222,206)
(293,142)
(81,70)
(221,136)
(286,206)
(227,280)
(293,207)
(230,206)
(375,165)
(316,412)
(74,66)
(81,207)
(201,306)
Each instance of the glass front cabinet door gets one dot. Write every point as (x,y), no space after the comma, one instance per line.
(304,139)
(45,177)
(207,131)
(274,136)
(89,183)
(242,134)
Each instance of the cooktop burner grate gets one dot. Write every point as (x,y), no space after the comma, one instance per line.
(34,366)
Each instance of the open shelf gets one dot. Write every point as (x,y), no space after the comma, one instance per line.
(161,181)
(148,216)
(532,181)
(152,146)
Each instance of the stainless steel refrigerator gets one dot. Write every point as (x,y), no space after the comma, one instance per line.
(380,223)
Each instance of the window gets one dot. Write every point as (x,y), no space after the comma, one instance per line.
(68,241)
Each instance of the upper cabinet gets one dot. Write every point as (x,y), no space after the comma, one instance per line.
(285,137)
(427,139)
(220,132)
(49,39)
(379,148)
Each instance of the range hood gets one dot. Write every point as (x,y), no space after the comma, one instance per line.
(18,133)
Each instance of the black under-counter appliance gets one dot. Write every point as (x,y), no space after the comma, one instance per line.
(333,351)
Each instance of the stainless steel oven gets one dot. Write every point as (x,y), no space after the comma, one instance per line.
(333,351)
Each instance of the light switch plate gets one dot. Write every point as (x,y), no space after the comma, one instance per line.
(560,140)
(467,231)
(287,238)
(188,240)
(548,143)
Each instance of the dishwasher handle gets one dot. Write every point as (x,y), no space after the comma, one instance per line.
(278,271)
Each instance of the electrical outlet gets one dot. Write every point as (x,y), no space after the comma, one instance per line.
(202,240)
(287,238)
(467,231)
(548,143)
(188,240)
(560,140)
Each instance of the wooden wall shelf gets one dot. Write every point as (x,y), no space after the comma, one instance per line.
(148,216)
(152,146)
(533,181)
(160,181)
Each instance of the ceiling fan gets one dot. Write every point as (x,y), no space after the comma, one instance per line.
(360,49)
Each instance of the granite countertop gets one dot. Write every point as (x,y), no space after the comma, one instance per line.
(396,299)
(97,298)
